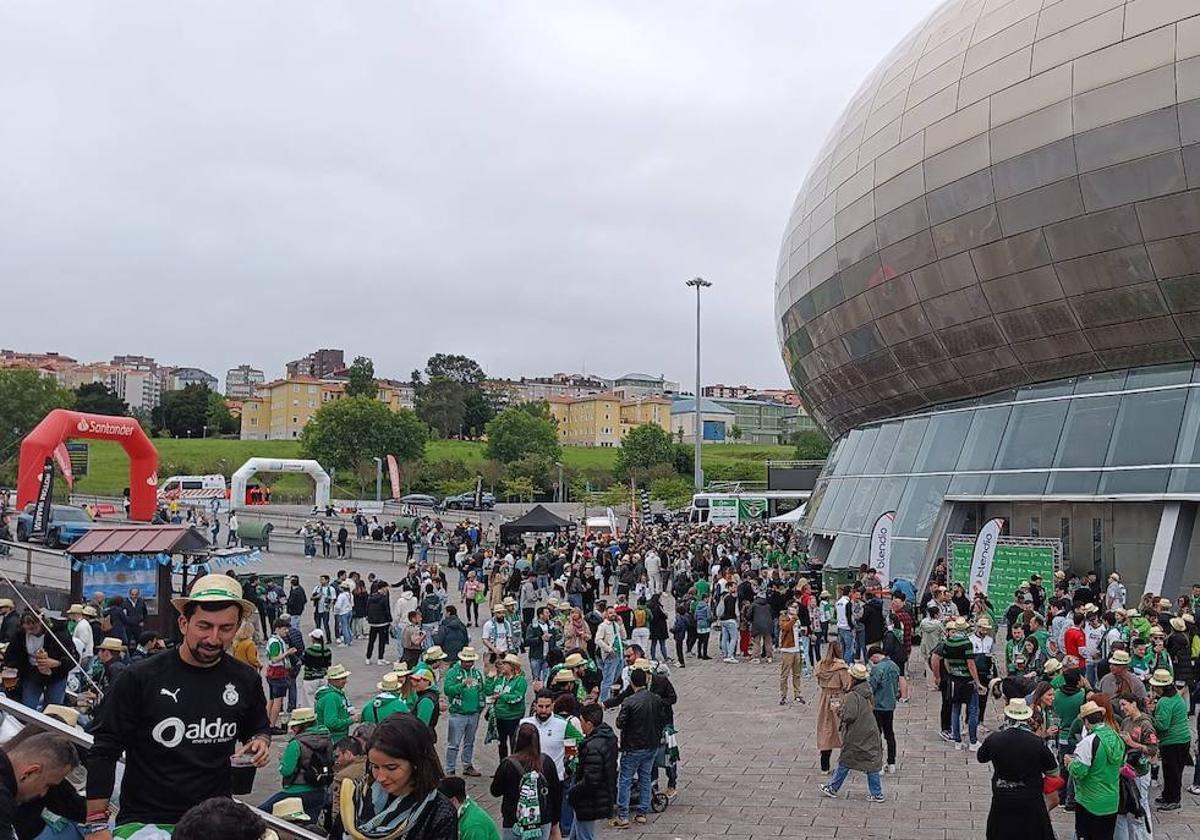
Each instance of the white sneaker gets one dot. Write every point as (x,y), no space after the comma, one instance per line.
(891,768)
(367,660)
(754,661)
(380,661)
(959,745)
(973,746)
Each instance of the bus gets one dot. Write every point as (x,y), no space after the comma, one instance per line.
(744,506)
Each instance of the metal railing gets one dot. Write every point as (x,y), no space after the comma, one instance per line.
(35,565)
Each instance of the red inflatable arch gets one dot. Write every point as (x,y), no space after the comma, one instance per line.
(61,425)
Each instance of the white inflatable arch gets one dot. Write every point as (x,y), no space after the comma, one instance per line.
(237,488)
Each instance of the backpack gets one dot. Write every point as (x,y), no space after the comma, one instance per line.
(316,761)
(530,800)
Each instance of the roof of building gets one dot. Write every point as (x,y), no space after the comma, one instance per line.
(140,539)
(642,377)
(707,406)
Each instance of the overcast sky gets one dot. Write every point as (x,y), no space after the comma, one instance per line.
(526,183)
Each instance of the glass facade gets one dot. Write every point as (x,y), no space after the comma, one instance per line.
(1127,435)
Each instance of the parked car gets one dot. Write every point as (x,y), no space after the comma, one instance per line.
(466,501)
(67,524)
(419,500)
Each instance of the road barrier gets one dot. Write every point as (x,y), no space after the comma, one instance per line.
(35,565)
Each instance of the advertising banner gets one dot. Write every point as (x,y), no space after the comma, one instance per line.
(45,498)
(881,546)
(63,459)
(723,511)
(1011,565)
(394,475)
(983,556)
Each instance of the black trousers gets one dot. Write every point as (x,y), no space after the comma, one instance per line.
(507,730)
(1174,757)
(702,645)
(945,711)
(1091,827)
(380,633)
(886,721)
(826,755)
(679,649)
(473,609)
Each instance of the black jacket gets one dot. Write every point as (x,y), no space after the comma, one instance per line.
(24,820)
(57,645)
(661,685)
(641,721)
(379,608)
(297,600)
(658,619)
(595,790)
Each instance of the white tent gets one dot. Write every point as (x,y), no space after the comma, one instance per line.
(792,516)
(237,484)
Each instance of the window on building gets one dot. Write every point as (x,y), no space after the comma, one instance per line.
(312,389)
(295,420)
(295,389)
(295,402)
(1035,526)
(312,404)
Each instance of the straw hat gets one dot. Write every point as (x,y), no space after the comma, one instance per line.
(400,669)
(435,654)
(1157,630)
(1018,709)
(642,664)
(575,660)
(1133,614)
(1089,609)
(1119,657)
(1164,603)
(291,809)
(112,644)
(347,586)
(1161,677)
(390,682)
(510,659)
(563,675)
(1089,708)
(983,622)
(215,589)
(1188,618)
(75,609)
(1114,576)
(825,593)
(302,715)
(1178,623)
(337,672)
(88,611)
(499,609)
(1052,666)
(7,602)
(510,601)
(66,714)
(958,624)
(468,654)
(859,671)
(1060,575)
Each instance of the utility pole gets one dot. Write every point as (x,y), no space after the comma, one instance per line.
(698,473)
(378,479)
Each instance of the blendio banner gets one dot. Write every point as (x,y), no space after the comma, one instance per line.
(881,546)
(983,555)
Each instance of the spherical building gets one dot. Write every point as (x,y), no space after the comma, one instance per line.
(989,288)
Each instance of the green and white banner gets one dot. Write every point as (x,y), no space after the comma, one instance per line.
(723,511)
(752,509)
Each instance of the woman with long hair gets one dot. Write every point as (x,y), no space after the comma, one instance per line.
(527,757)
(398,798)
(576,632)
(1141,750)
(505,686)
(470,590)
(833,678)
(244,649)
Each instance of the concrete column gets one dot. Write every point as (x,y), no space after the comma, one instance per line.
(1169,558)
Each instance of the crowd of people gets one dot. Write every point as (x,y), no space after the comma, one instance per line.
(561,654)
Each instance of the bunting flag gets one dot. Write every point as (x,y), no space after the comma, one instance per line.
(63,459)
(394,475)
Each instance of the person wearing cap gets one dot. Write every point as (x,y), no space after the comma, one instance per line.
(307,755)
(463,687)
(1020,762)
(1174,735)
(505,687)
(334,711)
(111,655)
(861,746)
(180,715)
(1095,768)
(389,700)
(81,630)
(426,698)
(1115,595)
(965,687)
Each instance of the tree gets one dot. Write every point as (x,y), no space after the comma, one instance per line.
(535,468)
(442,404)
(811,445)
(449,396)
(477,412)
(347,434)
(683,459)
(184,413)
(98,398)
(517,432)
(735,431)
(219,420)
(26,396)
(519,488)
(644,446)
(362,378)
(461,369)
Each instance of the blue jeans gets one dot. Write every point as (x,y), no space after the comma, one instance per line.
(661,648)
(343,628)
(874,785)
(583,830)
(461,730)
(729,638)
(314,802)
(429,631)
(642,763)
(295,619)
(37,693)
(609,669)
(537,668)
(566,817)
(846,637)
(972,717)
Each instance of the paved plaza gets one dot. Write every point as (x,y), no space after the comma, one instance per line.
(749,767)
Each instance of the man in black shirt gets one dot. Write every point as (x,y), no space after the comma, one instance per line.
(179,717)
(1020,760)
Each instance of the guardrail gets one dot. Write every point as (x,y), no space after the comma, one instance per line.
(377,551)
(35,565)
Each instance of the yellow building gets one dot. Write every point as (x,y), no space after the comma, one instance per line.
(281,409)
(604,419)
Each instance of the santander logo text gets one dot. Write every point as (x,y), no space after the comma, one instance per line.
(106,428)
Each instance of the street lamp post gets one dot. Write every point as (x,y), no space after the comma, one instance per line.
(698,472)
(378,479)
(562,490)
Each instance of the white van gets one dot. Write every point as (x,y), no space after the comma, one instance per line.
(192,488)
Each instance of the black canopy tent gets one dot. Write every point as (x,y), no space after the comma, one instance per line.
(537,521)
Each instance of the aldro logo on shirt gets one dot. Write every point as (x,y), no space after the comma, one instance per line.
(172,731)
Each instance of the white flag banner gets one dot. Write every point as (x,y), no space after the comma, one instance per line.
(881,546)
(982,556)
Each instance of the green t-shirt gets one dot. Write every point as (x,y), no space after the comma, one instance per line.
(956,651)
(1171,721)
(1066,708)
(384,705)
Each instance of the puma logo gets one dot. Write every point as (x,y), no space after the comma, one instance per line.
(174,695)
